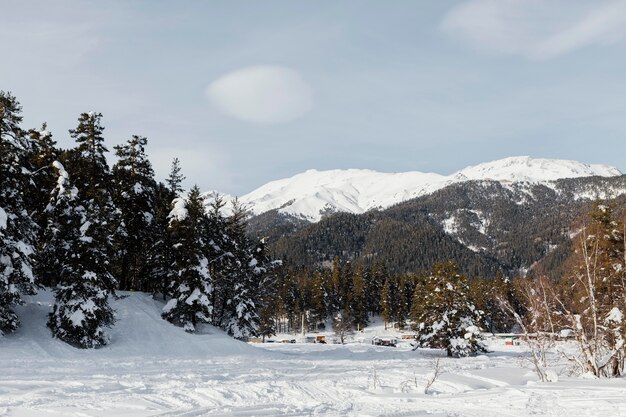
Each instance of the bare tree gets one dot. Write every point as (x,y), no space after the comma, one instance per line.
(539,324)
(342,325)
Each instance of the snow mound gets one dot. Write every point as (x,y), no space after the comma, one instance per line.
(312,194)
(139,331)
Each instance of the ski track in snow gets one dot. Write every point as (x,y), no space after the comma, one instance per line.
(152,368)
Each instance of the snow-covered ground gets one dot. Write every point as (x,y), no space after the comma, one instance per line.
(154,369)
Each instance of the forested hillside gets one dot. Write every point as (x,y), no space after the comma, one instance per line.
(486,227)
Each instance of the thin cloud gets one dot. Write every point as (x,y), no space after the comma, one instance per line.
(537,29)
(262,94)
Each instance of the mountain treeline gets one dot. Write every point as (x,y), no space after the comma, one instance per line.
(355,293)
(71,222)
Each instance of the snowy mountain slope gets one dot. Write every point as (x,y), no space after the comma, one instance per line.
(312,194)
(536,170)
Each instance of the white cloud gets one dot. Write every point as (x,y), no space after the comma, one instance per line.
(537,29)
(262,94)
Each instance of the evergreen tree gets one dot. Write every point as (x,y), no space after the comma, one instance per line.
(358,299)
(88,162)
(318,299)
(385,304)
(444,315)
(175,179)
(17,229)
(190,281)
(222,259)
(92,177)
(81,310)
(42,153)
(135,199)
(374,281)
(488,296)
(266,271)
(160,250)
(335,294)
(245,270)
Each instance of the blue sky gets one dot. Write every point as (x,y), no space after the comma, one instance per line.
(245,92)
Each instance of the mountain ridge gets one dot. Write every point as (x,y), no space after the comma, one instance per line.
(313,194)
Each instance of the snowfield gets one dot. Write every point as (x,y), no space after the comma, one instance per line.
(151,368)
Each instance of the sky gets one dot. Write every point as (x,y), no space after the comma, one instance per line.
(245,92)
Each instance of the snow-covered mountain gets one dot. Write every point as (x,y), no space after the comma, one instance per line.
(313,193)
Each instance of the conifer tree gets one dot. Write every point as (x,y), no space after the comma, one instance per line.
(265,269)
(92,177)
(81,311)
(488,295)
(246,270)
(160,250)
(374,280)
(135,199)
(318,299)
(89,166)
(385,304)
(444,315)
(190,281)
(176,178)
(222,259)
(335,301)
(358,299)
(17,229)
(41,154)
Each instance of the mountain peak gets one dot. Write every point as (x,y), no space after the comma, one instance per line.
(527,169)
(313,193)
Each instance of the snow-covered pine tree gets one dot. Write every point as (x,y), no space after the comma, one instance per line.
(81,310)
(245,275)
(17,229)
(87,162)
(236,285)
(42,151)
(265,268)
(190,281)
(489,295)
(134,197)
(444,315)
(160,252)
(92,177)
(42,154)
